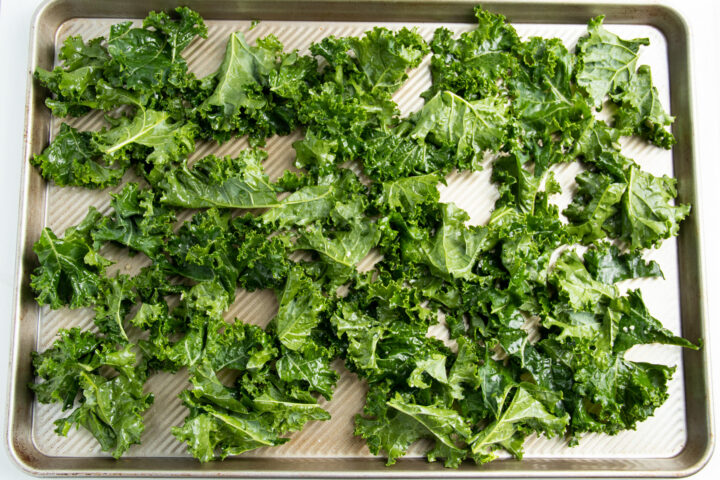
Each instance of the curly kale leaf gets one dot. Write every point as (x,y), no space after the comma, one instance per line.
(138,222)
(151,138)
(115,298)
(472,65)
(308,368)
(71,271)
(405,194)
(641,113)
(256,90)
(110,408)
(545,100)
(203,249)
(384,57)
(577,285)
(353,100)
(73,159)
(340,250)
(141,67)
(648,215)
(606,264)
(606,63)
(469,128)
(393,154)
(596,202)
(394,422)
(606,393)
(220,182)
(253,412)
(75,83)
(99,159)
(454,249)
(525,413)
(301,303)
(636,326)
(149,58)
(317,201)
(60,366)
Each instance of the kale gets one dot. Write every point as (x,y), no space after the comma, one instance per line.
(110,407)
(533,333)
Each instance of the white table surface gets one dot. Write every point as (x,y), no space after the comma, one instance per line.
(702,16)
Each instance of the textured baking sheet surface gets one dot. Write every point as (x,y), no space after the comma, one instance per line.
(662,436)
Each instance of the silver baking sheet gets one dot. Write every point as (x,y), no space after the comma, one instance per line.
(664,436)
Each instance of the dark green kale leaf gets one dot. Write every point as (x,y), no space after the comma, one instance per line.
(648,215)
(472,65)
(405,194)
(115,298)
(73,159)
(255,410)
(256,90)
(392,154)
(384,57)
(165,141)
(517,186)
(71,271)
(178,32)
(454,249)
(608,394)
(606,264)
(379,62)
(301,303)
(577,285)
(316,201)
(149,58)
(636,326)
(309,368)
(141,67)
(468,128)
(263,262)
(241,76)
(303,206)
(212,433)
(545,100)
(138,222)
(220,182)
(60,366)
(597,201)
(111,408)
(641,113)
(238,347)
(157,349)
(89,159)
(394,422)
(203,249)
(340,250)
(384,330)
(525,413)
(606,63)
(353,101)
(74,83)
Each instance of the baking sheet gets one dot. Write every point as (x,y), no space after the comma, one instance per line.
(664,435)
(677,441)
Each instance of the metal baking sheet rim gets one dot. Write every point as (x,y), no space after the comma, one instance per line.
(696,370)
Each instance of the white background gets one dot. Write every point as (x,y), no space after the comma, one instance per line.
(702,16)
